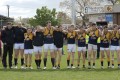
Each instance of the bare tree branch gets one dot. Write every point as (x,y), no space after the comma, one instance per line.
(83,1)
(113,1)
(66,3)
(79,3)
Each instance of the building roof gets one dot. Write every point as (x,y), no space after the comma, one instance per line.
(2,17)
(103,9)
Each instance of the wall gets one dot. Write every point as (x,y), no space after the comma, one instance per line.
(102,17)
(119,19)
(116,17)
(96,17)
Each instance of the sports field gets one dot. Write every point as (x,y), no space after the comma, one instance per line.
(62,74)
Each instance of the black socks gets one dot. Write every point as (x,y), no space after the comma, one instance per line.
(45,61)
(68,62)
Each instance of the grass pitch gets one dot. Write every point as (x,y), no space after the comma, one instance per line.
(63,73)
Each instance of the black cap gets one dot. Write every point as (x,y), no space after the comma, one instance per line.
(93,24)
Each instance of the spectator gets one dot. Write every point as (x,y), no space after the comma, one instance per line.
(7,37)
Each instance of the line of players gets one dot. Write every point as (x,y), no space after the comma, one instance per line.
(27,41)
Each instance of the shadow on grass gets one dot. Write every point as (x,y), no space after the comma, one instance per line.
(60,70)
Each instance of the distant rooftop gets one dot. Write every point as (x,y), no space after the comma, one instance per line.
(4,20)
(103,9)
(2,17)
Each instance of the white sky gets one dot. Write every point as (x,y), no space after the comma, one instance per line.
(26,8)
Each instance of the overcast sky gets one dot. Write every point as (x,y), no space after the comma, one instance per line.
(26,8)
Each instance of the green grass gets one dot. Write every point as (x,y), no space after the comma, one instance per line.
(63,73)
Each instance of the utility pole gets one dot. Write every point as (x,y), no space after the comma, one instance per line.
(8,8)
(73,12)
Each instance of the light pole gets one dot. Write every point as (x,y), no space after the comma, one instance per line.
(8,7)
(73,12)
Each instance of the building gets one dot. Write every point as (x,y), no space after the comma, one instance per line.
(103,13)
(4,20)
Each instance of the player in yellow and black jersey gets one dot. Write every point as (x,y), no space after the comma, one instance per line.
(115,37)
(81,37)
(104,45)
(71,36)
(28,45)
(118,55)
(93,34)
(49,44)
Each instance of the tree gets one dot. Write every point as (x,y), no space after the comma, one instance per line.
(43,15)
(80,5)
(33,22)
(114,1)
(64,18)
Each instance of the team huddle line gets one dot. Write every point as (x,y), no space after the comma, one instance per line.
(25,41)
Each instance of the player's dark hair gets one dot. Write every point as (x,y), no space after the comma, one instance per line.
(104,27)
(9,23)
(93,24)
